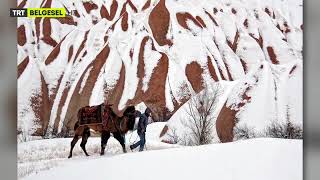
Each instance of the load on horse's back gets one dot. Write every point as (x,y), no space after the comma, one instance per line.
(101,118)
(95,114)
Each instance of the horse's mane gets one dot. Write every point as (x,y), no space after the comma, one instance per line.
(130,113)
(129,110)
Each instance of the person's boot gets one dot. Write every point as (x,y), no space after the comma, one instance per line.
(131,147)
(140,149)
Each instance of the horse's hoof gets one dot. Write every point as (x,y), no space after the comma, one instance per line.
(87,155)
(69,157)
(101,154)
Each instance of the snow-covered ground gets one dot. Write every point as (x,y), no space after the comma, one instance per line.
(262,158)
(38,155)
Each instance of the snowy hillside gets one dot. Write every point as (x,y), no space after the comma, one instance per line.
(160,52)
(262,159)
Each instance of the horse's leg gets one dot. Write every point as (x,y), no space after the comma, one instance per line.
(105,135)
(75,139)
(85,136)
(121,140)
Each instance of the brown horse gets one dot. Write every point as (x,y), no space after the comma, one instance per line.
(116,125)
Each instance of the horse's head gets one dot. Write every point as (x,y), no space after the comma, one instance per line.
(130,113)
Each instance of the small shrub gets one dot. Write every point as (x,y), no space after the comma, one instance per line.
(173,137)
(244,132)
(286,130)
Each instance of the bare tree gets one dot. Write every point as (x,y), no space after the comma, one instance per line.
(200,118)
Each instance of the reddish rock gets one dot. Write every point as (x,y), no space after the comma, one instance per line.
(228,71)
(278,26)
(225,124)
(159,23)
(272,55)
(227,120)
(114,95)
(76,13)
(70,53)
(194,75)
(201,21)
(22,4)
(245,23)
(184,17)
(37,24)
(154,97)
(81,45)
(124,22)
(113,10)
(47,3)
(259,41)
(292,69)
(267,11)
(54,53)
(47,33)
(22,66)
(21,35)
(244,65)
(85,53)
(234,45)
(164,131)
(82,99)
(233,11)
(221,74)
(215,10)
(133,7)
(67,20)
(89,6)
(211,69)
(131,53)
(146,5)
(211,17)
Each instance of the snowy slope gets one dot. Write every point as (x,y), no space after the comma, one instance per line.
(262,159)
(160,52)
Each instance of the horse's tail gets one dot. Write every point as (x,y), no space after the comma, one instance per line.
(78,119)
(76,125)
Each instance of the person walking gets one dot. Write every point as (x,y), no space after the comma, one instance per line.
(142,127)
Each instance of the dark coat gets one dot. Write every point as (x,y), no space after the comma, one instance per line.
(143,122)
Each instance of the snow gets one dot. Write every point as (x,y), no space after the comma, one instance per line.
(29,85)
(141,107)
(271,82)
(97,95)
(253,159)
(38,155)
(151,59)
(84,80)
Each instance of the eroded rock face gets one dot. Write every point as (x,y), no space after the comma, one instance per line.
(225,124)
(157,52)
(159,20)
(194,72)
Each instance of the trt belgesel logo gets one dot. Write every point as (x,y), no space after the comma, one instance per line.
(38,12)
